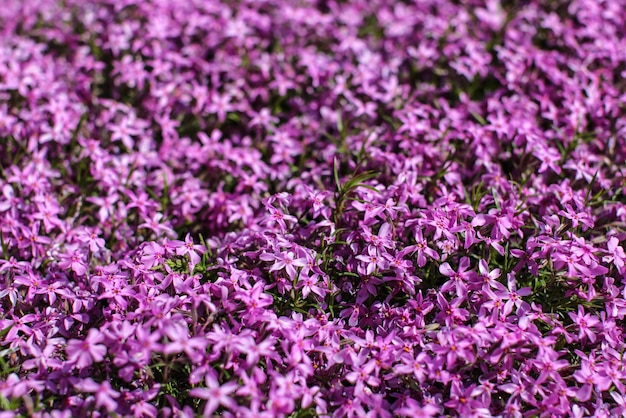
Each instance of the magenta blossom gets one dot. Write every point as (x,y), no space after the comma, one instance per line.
(83,353)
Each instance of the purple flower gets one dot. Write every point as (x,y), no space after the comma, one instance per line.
(585,323)
(74,260)
(83,353)
(616,254)
(104,393)
(422,249)
(458,279)
(215,394)
(510,294)
(190,249)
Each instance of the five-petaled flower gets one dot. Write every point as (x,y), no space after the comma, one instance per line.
(83,353)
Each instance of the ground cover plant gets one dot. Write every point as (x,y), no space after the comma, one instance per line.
(312,208)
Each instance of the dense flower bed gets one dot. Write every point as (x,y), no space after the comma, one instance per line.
(312,208)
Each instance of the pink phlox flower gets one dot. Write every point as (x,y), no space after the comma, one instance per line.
(54,288)
(353,313)
(615,255)
(152,254)
(186,284)
(468,231)
(465,401)
(392,209)
(264,118)
(612,367)
(458,279)
(83,353)
(526,257)
(370,209)
(119,291)
(442,223)
(168,126)
(141,201)
(583,250)
(486,278)
(9,200)
(451,312)
(416,366)
(194,347)
(491,242)
(104,393)
(421,306)
(297,347)
(397,261)
(549,157)
(620,401)
(33,281)
(585,322)
(309,284)
(548,367)
(511,294)
(562,257)
(215,394)
(518,385)
(221,105)
(13,265)
(413,409)
(255,350)
(413,123)
(379,241)
(140,404)
(502,222)
(251,387)
(12,293)
(577,218)
(285,260)
(255,298)
(145,343)
(363,373)
(73,259)
(16,387)
(317,200)
(593,270)
(190,249)
(124,131)
(105,205)
(47,213)
(422,249)
(296,325)
(277,216)
(91,238)
(451,346)
(372,259)
(43,358)
(155,224)
(590,376)
(17,324)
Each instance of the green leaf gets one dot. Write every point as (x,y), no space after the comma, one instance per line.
(591,184)
(479,118)
(336,174)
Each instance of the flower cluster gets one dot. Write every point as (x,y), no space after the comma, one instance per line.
(316,208)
